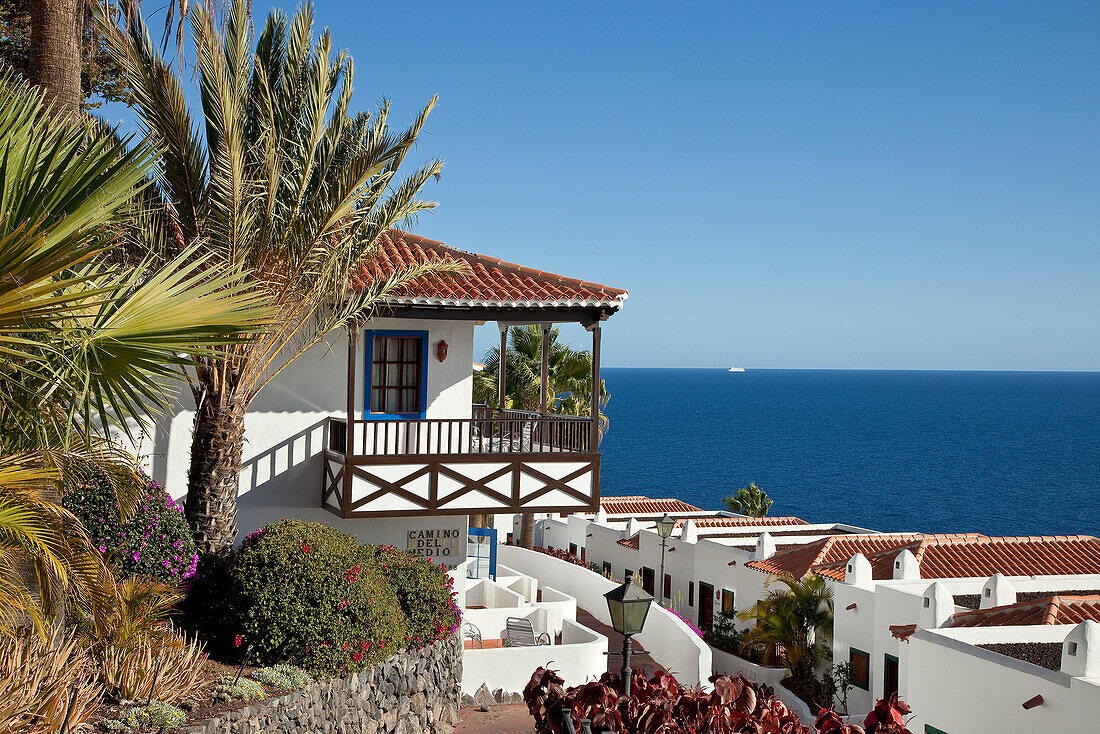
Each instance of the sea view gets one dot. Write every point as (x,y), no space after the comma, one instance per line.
(1000,453)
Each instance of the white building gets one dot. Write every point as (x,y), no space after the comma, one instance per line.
(902,615)
(375,431)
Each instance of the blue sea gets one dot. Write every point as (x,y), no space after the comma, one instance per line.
(1000,453)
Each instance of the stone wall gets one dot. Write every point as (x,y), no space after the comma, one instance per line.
(409,693)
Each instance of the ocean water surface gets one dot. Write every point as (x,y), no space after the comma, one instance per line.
(1000,453)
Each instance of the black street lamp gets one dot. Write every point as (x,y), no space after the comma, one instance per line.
(628,605)
(664,529)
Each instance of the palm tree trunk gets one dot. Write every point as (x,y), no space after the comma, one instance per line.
(217,444)
(55,60)
(527,530)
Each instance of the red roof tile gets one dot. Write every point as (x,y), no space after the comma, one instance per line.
(639,505)
(965,555)
(485,281)
(1052,610)
(902,631)
(737,522)
(803,559)
(632,542)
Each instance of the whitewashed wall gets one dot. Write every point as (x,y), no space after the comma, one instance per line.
(580,658)
(670,642)
(284,432)
(955,686)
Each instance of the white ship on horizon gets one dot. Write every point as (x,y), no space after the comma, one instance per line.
(737,369)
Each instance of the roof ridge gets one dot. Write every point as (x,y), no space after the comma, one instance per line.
(515,267)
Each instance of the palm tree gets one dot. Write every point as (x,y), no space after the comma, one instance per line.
(86,349)
(799,618)
(749,500)
(54,63)
(569,387)
(286,187)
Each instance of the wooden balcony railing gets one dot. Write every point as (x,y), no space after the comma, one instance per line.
(488,431)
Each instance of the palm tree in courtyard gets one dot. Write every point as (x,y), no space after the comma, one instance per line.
(799,618)
(87,349)
(285,186)
(569,387)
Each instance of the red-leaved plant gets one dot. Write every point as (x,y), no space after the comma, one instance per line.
(658,705)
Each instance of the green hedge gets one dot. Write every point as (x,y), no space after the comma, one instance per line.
(310,595)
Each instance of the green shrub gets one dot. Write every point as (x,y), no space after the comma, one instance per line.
(154,541)
(282,676)
(157,715)
(243,690)
(311,596)
(425,591)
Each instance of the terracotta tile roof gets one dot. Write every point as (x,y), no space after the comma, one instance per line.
(837,549)
(737,522)
(1052,610)
(963,555)
(485,282)
(637,504)
(902,631)
(1028,556)
(632,542)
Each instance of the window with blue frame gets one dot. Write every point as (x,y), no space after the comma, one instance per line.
(398,373)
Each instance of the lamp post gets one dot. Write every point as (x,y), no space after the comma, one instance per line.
(628,605)
(664,529)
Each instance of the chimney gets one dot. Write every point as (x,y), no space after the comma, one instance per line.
(857,572)
(601,517)
(765,547)
(1081,651)
(937,607)
(906,565)
(632,528)
(997,592)
(689,533)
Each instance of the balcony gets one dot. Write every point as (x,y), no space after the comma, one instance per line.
(496,461)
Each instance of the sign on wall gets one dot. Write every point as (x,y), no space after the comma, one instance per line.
(439,545)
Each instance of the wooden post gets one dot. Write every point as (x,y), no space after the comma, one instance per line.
(543,403)
(594,444)
(349,449)
(501,364)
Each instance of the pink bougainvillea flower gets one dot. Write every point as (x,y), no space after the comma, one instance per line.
(238,640)
(102,549)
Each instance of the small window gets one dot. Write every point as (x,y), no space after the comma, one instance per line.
(691,593)
(988,592)
(667,588)
(861,668)
(572,549)
(1071,649)
(583,555)
(897,564)
(629,574)
(927,602)
(607,569)
(727,602)
(396,384)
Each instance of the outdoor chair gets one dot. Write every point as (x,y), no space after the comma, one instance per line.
(471,632)
(519,633)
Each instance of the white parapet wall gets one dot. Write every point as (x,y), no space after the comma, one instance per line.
(955,686)
(670,642)
(578,659)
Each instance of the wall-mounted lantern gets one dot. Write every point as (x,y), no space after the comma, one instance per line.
(441,350)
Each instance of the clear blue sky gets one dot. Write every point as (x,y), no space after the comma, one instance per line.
(865,185)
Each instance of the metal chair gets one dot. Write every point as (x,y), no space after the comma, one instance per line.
(471,632)
(518,632)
